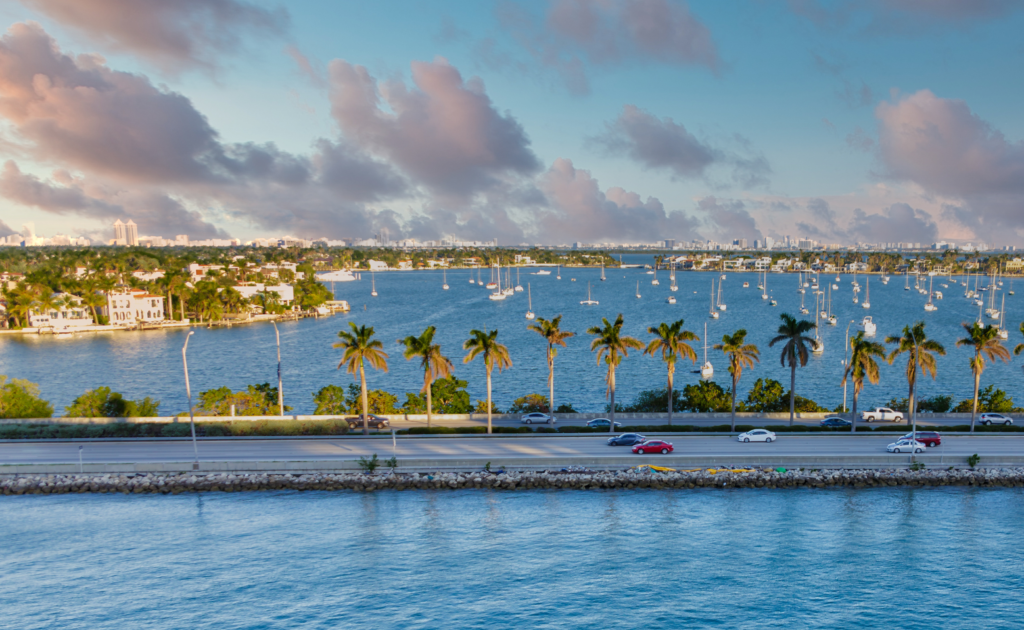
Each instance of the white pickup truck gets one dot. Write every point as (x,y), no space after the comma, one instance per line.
(882,414)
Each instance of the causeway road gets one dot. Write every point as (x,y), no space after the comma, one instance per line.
(565,449)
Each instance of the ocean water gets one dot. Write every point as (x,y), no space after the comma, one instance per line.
(864,559)
(149,364)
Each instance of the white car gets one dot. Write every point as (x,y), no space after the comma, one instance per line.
(904,445)
(757,435)
(537,418)
(995,418)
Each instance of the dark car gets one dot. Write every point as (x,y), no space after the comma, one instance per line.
(373,420)
(653,446)
(626,439)
(835,421)
(928,438)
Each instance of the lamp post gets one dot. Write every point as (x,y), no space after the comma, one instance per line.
(846,360)
(280,389)
(188,391)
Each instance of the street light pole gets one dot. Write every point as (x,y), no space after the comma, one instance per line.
(188,391)
(280,388)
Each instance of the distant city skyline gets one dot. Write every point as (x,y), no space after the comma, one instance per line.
(548,121)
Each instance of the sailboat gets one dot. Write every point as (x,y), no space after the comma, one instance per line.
(655,280)
(588,301)
(529,298)
(1011,287)
(558,272)
(764,286)
(471,280)
(672,281)
(638,289)
(519,287)
(508,290)
(772,302)
(714,313)
(497,295)
(1003,333)
(817,346)
(479,281)
(492,284)
(929,306)
(706,370)
(445,274)
(992,312)
(906,280)
(602,273)
(867,294)
(803,309)
(721,304)
(800,283)
(831,318)
(373,285)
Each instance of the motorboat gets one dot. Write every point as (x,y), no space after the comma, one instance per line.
(671,299)
(868,326)
(746,285)
(542,272)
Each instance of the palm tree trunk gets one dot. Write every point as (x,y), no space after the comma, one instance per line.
(611,384)
(366,403)
(910,396)
(974,408)
(551,383)
(732,427)
(792,391)
(856,394)
(670,375)
(430,411)
(488,399)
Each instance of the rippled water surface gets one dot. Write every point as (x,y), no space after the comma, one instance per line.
(149,364)
(885,558)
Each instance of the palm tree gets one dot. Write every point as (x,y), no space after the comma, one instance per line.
(670,340)
(862,365)
(612,345)
(435,365)
(795,352)
(920,351)
(360,348)
(495,355)
(986,343)
(555,337)
(175,284)
(93,298)
(740,355)
(1020,346)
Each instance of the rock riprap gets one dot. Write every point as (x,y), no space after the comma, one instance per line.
(519,480)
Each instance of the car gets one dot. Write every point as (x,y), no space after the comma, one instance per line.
(757,435)
(995,418)
(537,418)
(626,439)
(653,446)
(906,445)
(882,414)
(835,421)
(928,438)
(356,422)
(602,423)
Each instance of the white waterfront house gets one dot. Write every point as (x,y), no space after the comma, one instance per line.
(377,265)
(285,292)
(148,276)
(132,306)
(68,314)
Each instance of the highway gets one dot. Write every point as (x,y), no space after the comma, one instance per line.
(491,448)
(678,420)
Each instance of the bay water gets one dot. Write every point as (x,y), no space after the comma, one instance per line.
(150,363)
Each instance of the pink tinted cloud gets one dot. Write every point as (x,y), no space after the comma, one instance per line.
(443,132)
(580,210)
(174,34)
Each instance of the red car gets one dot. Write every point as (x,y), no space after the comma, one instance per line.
(928,438)
(653,446)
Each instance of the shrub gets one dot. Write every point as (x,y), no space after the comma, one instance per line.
(481,407)
(20,399)
(935,404)
(368,464)
(767,396)
(256,400)
(990,399)
(103,403)
(530,403)
(973,460)
(653,401)
(447,395)
(705,396)
(565,408)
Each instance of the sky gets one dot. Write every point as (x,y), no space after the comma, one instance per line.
(549,121)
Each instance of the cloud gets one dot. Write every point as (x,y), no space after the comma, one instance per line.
(581,211)
(898,222)
(855,96)
(942,146)
(859,140)
(444,132)
(728,220)
(159,214)
(306,67)
(175,34)
(574,33)
(664,144)
(901,17)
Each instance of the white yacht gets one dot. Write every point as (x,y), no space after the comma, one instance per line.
(868,326)
(338,275)
(671,299)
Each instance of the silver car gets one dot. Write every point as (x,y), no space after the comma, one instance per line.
(996,418)
(537,418)
(905,445)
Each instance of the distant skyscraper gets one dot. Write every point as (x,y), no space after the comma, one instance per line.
(769,242)
(131,233)
(670,243)
(119,238)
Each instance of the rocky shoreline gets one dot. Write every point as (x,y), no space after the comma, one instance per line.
(519,480)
